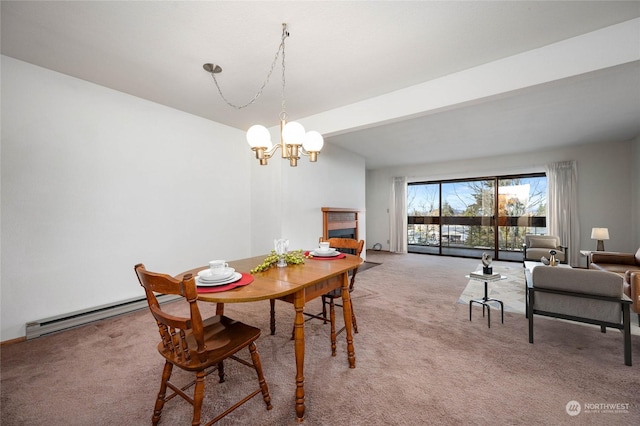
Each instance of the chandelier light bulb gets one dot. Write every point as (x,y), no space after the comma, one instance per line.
(313,141)
(293,133)
(259,137)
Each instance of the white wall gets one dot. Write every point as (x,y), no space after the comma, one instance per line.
(95,181)
(287,201)
(606,196)
(336,183)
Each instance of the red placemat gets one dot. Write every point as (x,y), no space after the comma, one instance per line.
(244,280)
(340,256)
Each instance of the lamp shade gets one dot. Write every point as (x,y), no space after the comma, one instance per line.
(258,136)
(313,141)
(293,133)
(599,233)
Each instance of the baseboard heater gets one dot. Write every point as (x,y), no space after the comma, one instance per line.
(76,319)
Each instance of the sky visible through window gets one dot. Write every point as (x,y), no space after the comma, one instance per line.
(423,199)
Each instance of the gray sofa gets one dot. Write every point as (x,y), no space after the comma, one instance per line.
(582,295)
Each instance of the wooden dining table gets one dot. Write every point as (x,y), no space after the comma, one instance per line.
(296,284)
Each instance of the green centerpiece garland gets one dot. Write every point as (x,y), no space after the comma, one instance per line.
(295,257)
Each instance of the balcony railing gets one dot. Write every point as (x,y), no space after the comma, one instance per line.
(476,235)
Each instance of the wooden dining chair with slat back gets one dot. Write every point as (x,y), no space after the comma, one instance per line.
(195,345)
(351,246)
(347,245)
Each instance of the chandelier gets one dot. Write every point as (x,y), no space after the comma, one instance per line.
(293,138)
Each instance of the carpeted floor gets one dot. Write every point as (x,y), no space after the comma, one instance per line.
(419,361)
(367,265)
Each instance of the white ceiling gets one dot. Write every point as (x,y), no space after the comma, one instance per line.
(341,53)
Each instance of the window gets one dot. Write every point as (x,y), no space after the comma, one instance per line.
(471,216)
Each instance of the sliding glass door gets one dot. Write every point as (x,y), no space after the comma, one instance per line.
(472,216)
(423,208)
(468,217)
(522,206)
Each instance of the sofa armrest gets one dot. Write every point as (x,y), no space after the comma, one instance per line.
(612,257)
(582,281)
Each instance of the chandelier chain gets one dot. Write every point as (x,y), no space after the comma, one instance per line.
(283,114)
(285,34)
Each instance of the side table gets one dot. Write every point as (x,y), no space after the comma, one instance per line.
(486,300)
(587,254)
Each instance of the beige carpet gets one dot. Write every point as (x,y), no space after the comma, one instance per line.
(419,361)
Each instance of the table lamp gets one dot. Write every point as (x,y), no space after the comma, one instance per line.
(600,234)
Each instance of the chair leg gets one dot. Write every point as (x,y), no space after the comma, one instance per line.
(332,319)
(198,397)
(257,364)
(272,302)
(530,324)
(157,410)
(324,308)
(221,371)
(626,321)
(353,319)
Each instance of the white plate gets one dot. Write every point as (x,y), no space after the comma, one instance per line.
(206,276)
(235,277)
(330,253)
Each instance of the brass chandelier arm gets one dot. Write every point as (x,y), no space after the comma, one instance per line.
(289,151)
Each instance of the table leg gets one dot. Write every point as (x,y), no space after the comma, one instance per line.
(272,314)
(298,303)
(346,310)
(220,309)
(485,303)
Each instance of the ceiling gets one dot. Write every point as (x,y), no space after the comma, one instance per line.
(339,54)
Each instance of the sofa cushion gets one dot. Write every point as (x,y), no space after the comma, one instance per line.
(537,253)
(543,242)
(599,283)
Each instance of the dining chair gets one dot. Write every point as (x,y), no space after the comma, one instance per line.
(346,245)
(197,345)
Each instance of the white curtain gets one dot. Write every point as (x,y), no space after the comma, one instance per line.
(562,206)
(398,216)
